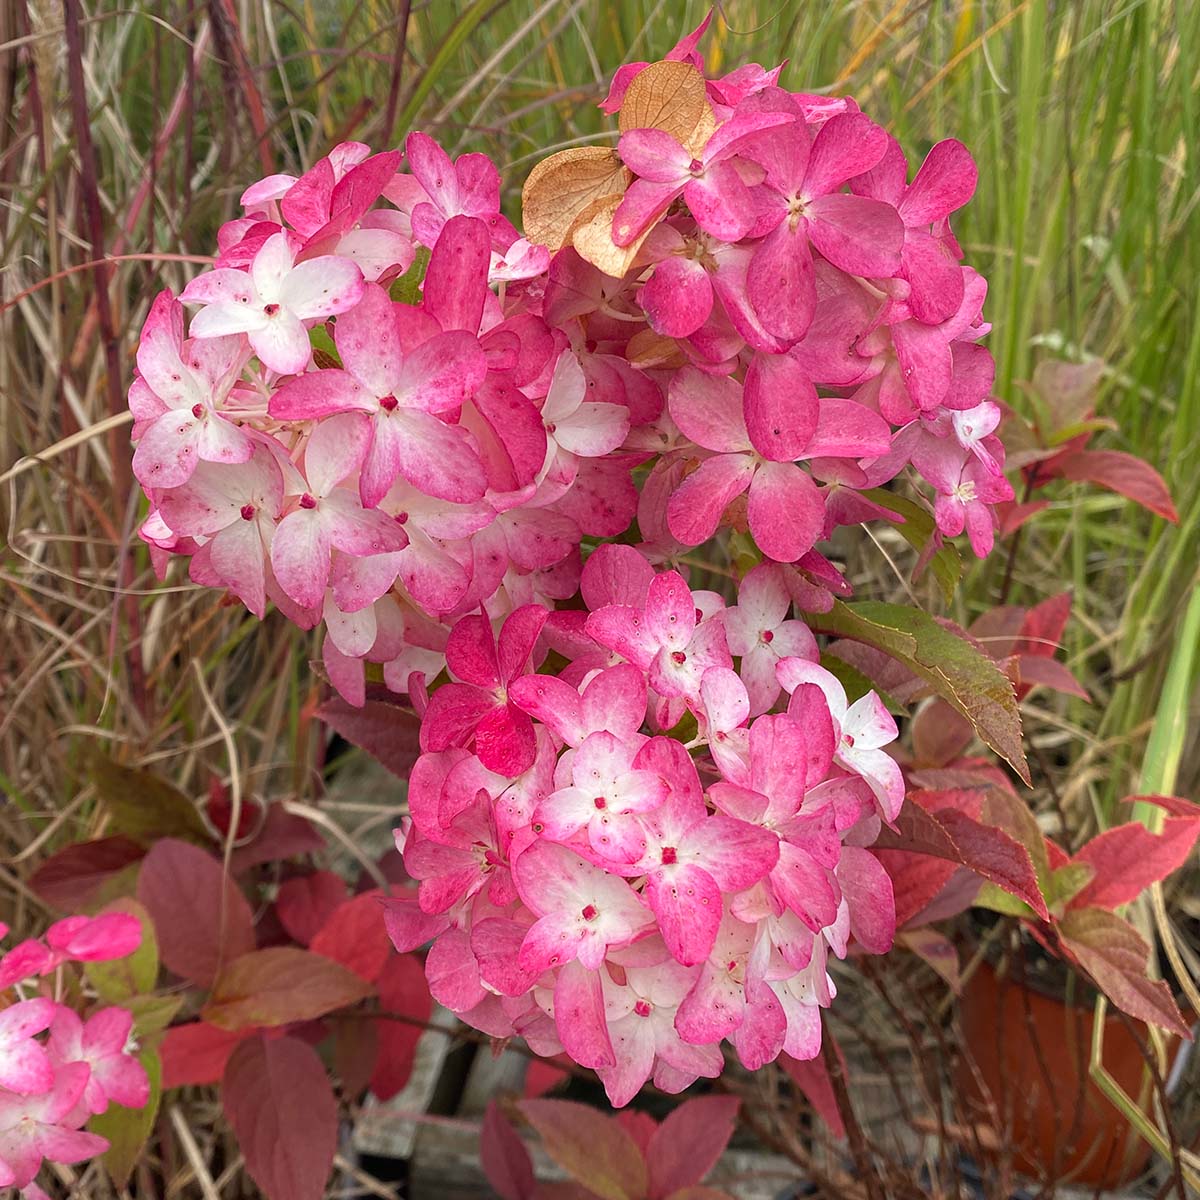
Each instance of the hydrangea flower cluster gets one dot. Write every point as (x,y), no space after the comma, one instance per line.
(598,881)
(464,452)
(57,1070)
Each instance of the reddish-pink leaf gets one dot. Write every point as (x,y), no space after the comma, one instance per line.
(196,1053)
(402,990)
(306,902)
(990,852)
(283,835)
(940,734)
(687,1145)
(1124,474)
(544,1076)
(592,1148)
(1177,806)
(354,935)
(1013,515)
(1049,672)
(813,1080)
(73,878)
(1042,628)
(281,1107)
(506,1162)
(281,985)
(1115,955)
(385,731)
(1129,858)
(355,1053)
(201,918)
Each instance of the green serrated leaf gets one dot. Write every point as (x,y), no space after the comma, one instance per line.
(996,899)
(152,1015)
(127,1129)
(407,288)
(917,528)
(856,683)
(1067,882)
(324,351)
(144,806)
(122,978)
(963,676)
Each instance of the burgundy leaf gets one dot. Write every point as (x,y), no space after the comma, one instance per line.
(386,732)
(282,835)
(506,1162)
(1124,474)
(813,1080)
(281,1107)
(590,1147)
(279,986)
(196,1053)
(201,918)
(76,876)
(306,902)
(354,935)
(687,1145)
(990,852)
(403,991)
(1115,955)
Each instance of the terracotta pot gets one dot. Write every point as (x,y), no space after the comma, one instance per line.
(1032,1051)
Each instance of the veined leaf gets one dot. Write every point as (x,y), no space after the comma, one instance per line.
(967,679)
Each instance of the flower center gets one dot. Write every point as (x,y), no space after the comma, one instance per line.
(642,1008)
(678,656)
(696,168)
(600,802)
(388,403)
(669,856)
(270,309)
(308,500)
(247,511)
(197,411)
(591,912)
(768,636)
(964,492)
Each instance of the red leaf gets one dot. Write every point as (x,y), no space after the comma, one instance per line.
(939,734)
(402,990)
(1175,805)
(306,902)
(1124,474)
(72,878)
(1115,955)
(543,1076)
(281,1107)
(1013,516)
(506,1162)
(354,935)
(1042,628)
(355,1053)
(196,1053)
(1129,858)
(200,915)
(1048,672)
(283,835)
(990,852)
(937,951)
(279,986)
(592,1148)
(387,732)
(687,1145)
(813,1080)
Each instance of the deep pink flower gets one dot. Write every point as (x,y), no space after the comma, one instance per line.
(478,709)
(801,193)
(929,260)
(967,489)
(25,1067)
(102,1043)
(401,392)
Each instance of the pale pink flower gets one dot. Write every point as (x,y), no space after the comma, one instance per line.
(102,1043)
(272,302)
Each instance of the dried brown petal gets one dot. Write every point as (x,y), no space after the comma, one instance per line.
(560,187)
(592,238)
(669,96)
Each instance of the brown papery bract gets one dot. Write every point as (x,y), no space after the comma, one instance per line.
(562,186)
